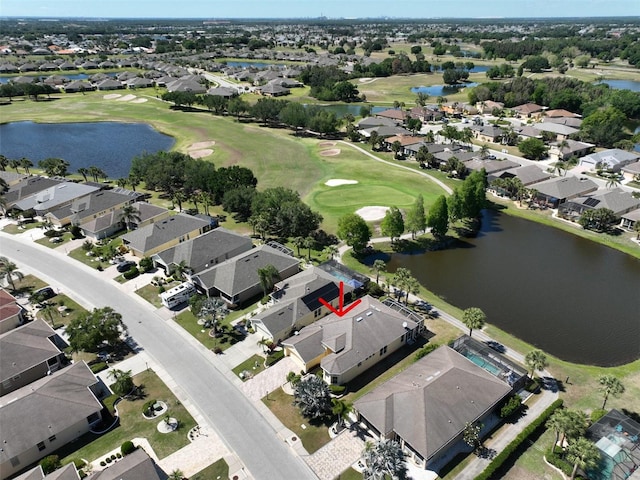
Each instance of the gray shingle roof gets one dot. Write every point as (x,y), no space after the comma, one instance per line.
(28,187)
(159,233)
(429,403)
(58,194)
(59,400)
(206,250)
(363,331)
(616,200)
(135,466)
(529,174)
(565,187)
(491,166)
(25,347)
(93,204)
(611,157)
(240,273)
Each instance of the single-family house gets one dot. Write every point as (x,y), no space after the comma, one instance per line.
(222,92)
(12,178)
(403,140)
(561,131)
(560,113)
(370,122)
(487,133)
(528,110)
(296,303)
(85,209)
(109,84)
(527,131)
(398,116)
(488,106)
(45,415)
(12,314)
(573,122)
(54,197)
(28,187)
(612,159)
(631,171)
(236,280)
(186,85)
(555,191)
(629,220)
(528,174)
(204,251)
(78,86)
(27,353)
(490,166)
(66,472)
(273,90)
(433,148)
(345,346)
(427,406)
(569,149)
(111,222)
(384,131)
(425,114)
(135,466)
(139,82)
(163,234)
(461,155)
(616,200)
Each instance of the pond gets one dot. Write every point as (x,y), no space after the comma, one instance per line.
(573,298)
(633,85)
(70,76)
(109,146)
(442,90)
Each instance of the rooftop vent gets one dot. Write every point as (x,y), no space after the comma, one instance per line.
(368,314)
(358,319)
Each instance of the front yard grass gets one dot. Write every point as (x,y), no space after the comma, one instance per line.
(254,365)
(227,338)
(14,228)
(219,469)
(62,318)
(151,293)
(313,436)
(134,425)
(350,474)
(27,285)
(46,241)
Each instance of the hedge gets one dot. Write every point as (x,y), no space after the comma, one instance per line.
(98,367)
(127,447)
(504,455)
(131,273)
(426,350)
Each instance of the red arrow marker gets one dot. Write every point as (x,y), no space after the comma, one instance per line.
(340,311)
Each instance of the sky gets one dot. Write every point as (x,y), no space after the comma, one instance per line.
(212,9)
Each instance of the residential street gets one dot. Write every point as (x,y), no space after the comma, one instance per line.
(244,430)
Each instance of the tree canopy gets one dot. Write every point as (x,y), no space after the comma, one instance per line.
(354,231)
(392,224)
(93,330)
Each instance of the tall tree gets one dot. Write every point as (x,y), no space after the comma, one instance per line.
(26,164)
(471,435)
(392,224)
(268,276)
(384,459)
(438,218)
(129,215)
(123,381)
(473,318)
(9,272)
(536,360)
(84,172)
(340,408)
(416,219)
(557,422)
(379,266)
(313,397)
(582,454)
(54,167)
(90,331)
(610,385)
(354,231)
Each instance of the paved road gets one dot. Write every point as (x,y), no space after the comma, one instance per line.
(233,416)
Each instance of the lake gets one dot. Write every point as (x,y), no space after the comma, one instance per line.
(109,146)
(633,85)
(442,90)
(573,298)
(70,76)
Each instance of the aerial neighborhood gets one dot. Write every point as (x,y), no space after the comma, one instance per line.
(319,248)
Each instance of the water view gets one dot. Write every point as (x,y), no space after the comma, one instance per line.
(633,85)
(442,90)
(109,146)
(569,296)
(42,76)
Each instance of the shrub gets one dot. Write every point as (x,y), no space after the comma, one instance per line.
(274,357)
(108,460)
(147,408)
(102,463)
(113,457)
(374,289)
(76,232)
(597,414)
(82,474)
(133,272)
(161,289)
(511,406)
(426,350)
(504,455)
(127,447)
(79,463)
(146,264)
(50,463)
(53,233)
(265,300)
(99,267)
(98,367)
(118,455)
(337,389)
(217,350)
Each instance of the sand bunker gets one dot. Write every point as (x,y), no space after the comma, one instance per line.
(139,100)
(330,153)
(336,182)
(200,153)
(370,214)
(126,98)
(199,145)
(326,144)
(111,96)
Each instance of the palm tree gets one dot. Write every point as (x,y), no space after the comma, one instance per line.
(374,139)
(384,459)
(298,242)
(313,397)
(268,275)
(207,200)
(179,269)
(48,312)
(15,164)
(129,215)
(134,181)
(583,454)
(557,422)
(123,381)
(484,151)
(96,173)
(309,243)
(84,172)
(613,181)
(26,164)
(430,137)
(560,168)
(176,475)
(264,342)
(340,408)
(330,251)
(473,317)
(379,266)
(10,272)
(396,147)
(536,360)
(411,286)
(178,197)
(121,182)
(561,146)
(610,385)
(4,162)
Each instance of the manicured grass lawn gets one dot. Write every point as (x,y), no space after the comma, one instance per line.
(48,243)
(216,470)
(151,293)
(254,365)
(189,322)
(80,254)
(73,311)
(27,285)
(350,474)
(313,436)
(133,424)
(14,229)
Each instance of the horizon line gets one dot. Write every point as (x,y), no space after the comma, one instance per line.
(321,17)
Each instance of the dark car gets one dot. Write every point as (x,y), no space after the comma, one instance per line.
(125,266)
(44,293)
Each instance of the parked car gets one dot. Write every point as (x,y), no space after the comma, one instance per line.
(44,293)
(125,266)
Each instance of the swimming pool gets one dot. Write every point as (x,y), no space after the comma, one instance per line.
(482,362)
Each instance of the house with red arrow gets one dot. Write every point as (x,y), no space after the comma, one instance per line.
(353,339)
